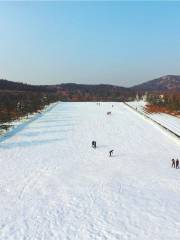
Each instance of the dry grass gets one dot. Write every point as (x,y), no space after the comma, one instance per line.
(158,109)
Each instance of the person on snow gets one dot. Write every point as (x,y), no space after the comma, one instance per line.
(94,144)
(177,163)
(173,163)
(111,152)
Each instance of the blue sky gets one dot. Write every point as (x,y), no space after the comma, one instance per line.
(122,43)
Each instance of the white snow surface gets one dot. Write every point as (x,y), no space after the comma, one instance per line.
(169,121)
(54,185)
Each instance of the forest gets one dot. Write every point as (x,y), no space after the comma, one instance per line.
(14,104)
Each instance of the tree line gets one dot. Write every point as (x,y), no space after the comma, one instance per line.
(171,101)
(14,105)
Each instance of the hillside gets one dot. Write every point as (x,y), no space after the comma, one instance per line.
(90,92)
(95,92)
(72,91)
(18,86)
(165,83)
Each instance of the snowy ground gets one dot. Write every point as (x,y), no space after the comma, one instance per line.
(20,123)
(167,120)
(54,186)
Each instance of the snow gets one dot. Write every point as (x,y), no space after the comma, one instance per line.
(54,186)
(18,124)
(169,121)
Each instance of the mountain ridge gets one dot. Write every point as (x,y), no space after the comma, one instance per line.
(163,83)
(167,83)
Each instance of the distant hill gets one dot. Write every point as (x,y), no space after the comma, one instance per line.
(165,83)
(88,92)
(72,91)
(17,86)
(102,91)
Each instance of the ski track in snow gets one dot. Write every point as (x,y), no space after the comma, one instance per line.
(54,186)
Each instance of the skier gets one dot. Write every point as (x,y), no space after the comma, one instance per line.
(94,144)
(173,163)
(111,152)
(177,163)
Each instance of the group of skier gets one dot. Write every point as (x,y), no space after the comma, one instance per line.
(94,146)
(175,163)
(94,142)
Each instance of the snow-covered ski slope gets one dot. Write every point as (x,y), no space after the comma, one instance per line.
(167,120)
(54,186)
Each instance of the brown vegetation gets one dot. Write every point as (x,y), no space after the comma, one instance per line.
(152,108)
(166,103)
